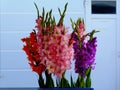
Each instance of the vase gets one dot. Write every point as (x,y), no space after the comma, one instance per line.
(66,89)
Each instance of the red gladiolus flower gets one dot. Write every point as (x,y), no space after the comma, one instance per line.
(31,49)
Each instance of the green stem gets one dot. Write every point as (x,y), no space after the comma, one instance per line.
(49,80)
(82,82)
(88,78)
(41,81)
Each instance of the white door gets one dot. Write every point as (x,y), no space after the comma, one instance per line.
(106,75)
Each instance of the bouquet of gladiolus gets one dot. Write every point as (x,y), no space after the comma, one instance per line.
(49,50)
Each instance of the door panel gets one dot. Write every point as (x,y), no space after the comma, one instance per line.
(104,76)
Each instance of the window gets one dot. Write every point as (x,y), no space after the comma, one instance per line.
(103,6)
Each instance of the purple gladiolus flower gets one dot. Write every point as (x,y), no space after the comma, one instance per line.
(84,54)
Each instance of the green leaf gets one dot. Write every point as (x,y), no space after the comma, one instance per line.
(72,82)
(64,82)
(88,82)
(49,80)
(88,78)
(37,9)
(88,71)
(77,84)
(82,82)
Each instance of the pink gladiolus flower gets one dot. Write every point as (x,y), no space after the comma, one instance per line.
(81,29)
(55,49)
